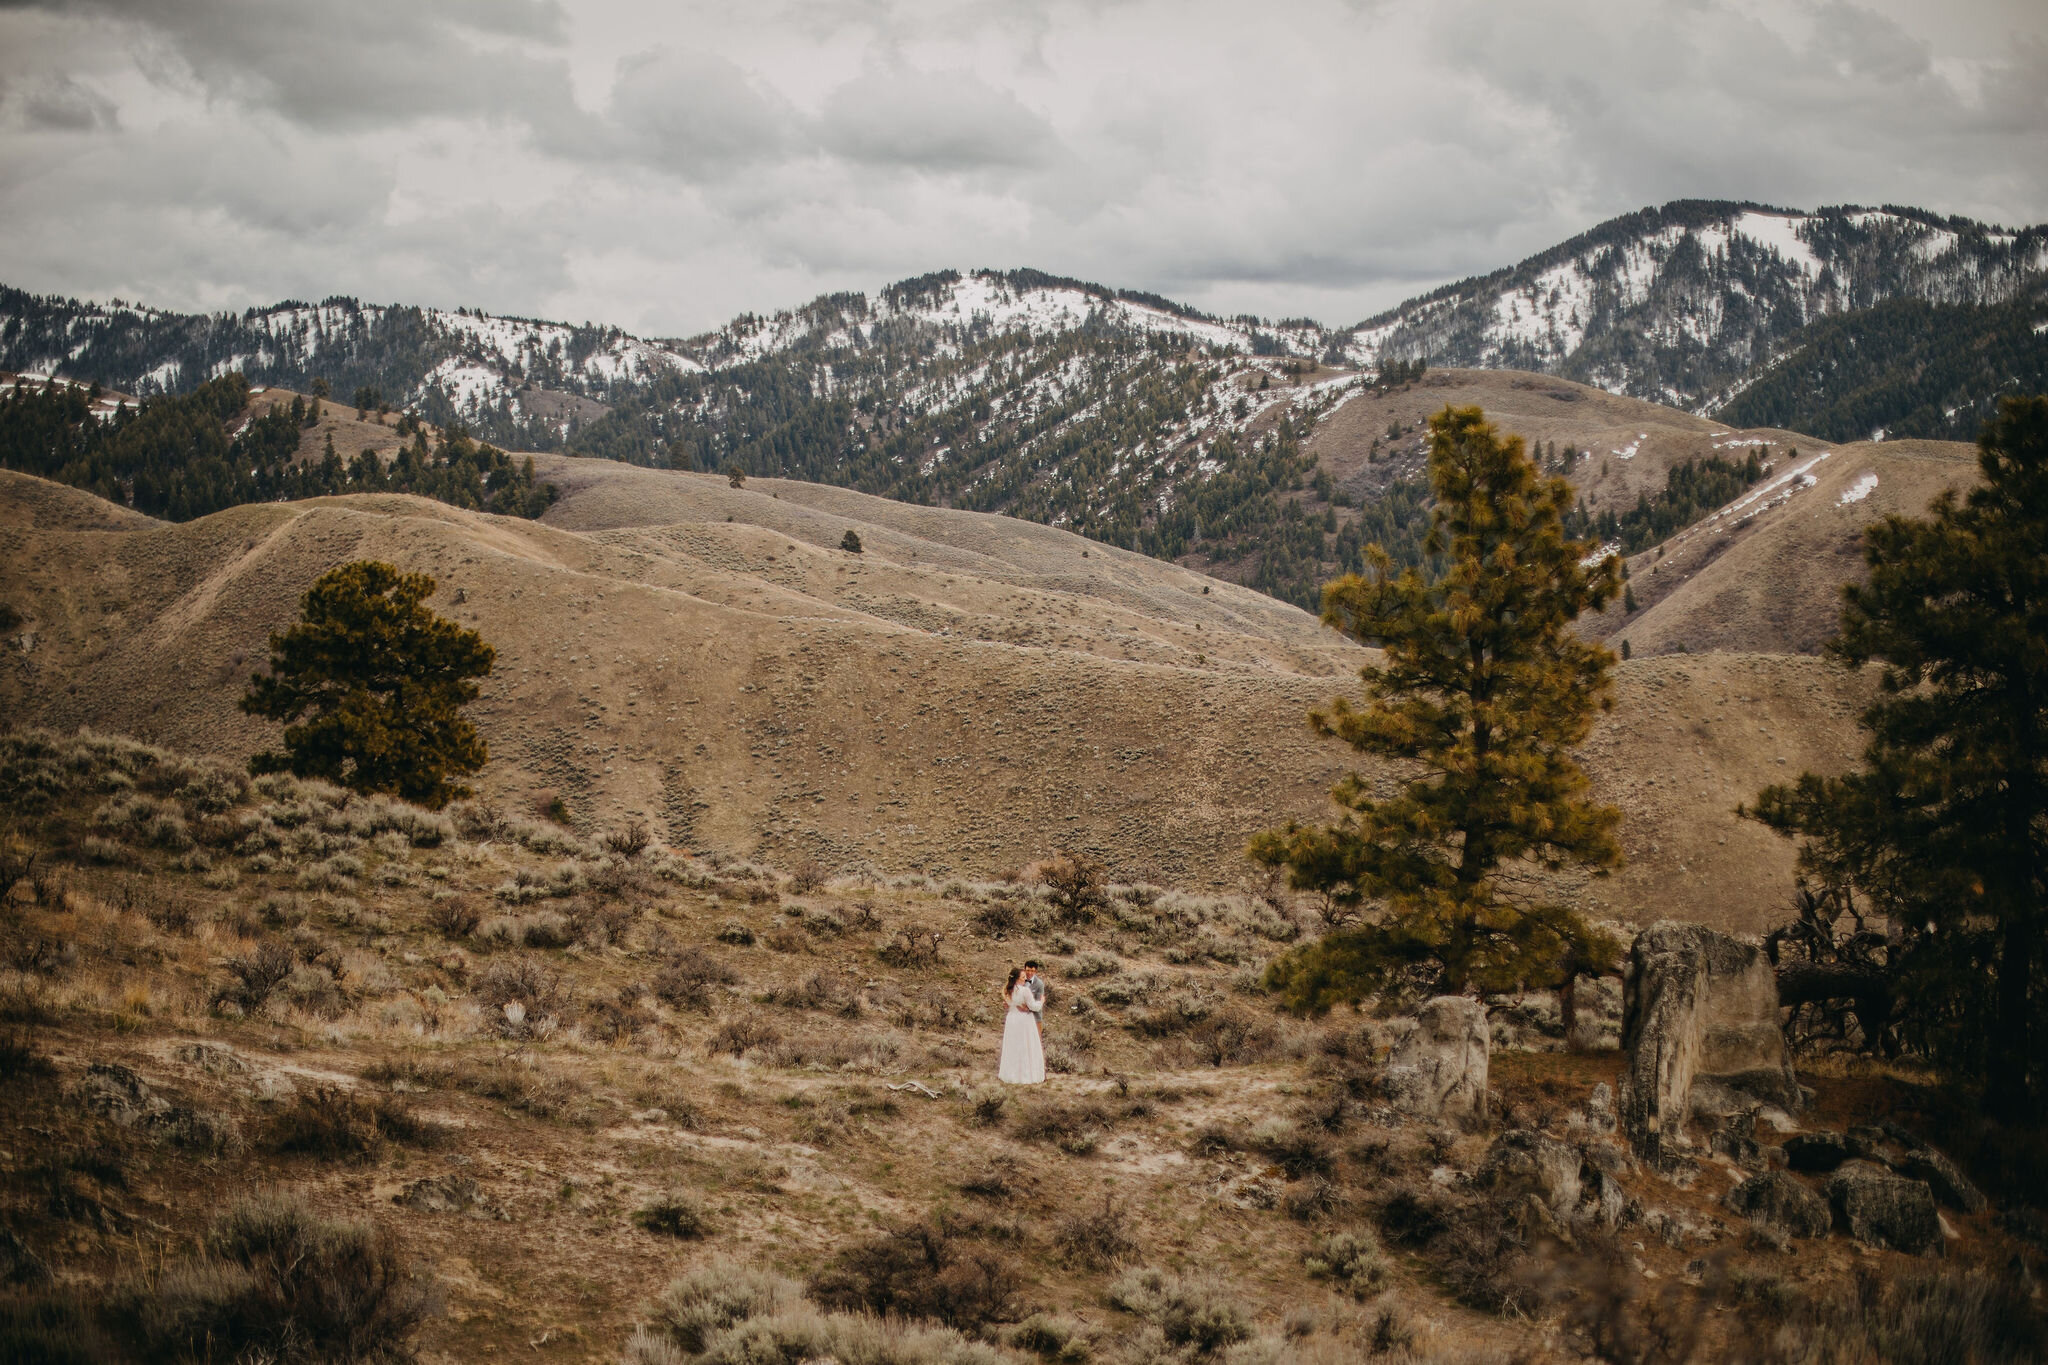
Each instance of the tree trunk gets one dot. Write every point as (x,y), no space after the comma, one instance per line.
(2009,1091)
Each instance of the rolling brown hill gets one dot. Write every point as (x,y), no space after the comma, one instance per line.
(968,695)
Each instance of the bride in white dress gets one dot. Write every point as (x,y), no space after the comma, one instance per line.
(1023,1049)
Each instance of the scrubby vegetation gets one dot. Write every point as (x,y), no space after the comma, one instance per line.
(614,1091)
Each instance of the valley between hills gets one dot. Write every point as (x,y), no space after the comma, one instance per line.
(972,693)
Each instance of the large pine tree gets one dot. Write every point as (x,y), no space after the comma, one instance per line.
(384,680)
(1944,829)
(1482,693)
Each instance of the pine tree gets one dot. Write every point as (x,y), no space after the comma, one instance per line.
(385,680)
(1944,829)
(1483,691)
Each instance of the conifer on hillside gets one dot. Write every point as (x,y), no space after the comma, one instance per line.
(1483,690)
(384,679)
(1944,829)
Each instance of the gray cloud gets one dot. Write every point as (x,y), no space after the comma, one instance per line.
(663,165)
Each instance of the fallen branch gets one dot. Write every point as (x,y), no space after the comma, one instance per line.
(920,1088)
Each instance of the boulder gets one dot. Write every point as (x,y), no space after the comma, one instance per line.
(1816,1152)
(1438,1069)
(115,1092)
(1600,1109)
(1780,1201)
(1697,1005)
(1949,1184)
(1881,1209)
(1524,1161)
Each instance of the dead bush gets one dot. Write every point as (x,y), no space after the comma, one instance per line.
(687,981)
(601,924)
(784,939)
(987,1108)
(629,840)
(807,878)
(1075,1127)
(1098,1238)
(677,1215)
(616,1021)
(818,991)
(911,949)
(1079,886)
(922,1272)
(996,919)
(455,918)
(254,977)
(743,1033)
(737,934)
(1313,1198)
(330,1122)
(1470,1240)
(279,1283)
(1296,1150)
(522,979)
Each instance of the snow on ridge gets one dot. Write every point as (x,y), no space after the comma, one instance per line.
(1781,232)
(1858,491)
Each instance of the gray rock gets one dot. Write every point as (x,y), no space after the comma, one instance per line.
(1439,1068)
(1781,1201)
(443,1194)
(1523,1161)
(1697,1005)
(1949,1184)
(1881,1209)
(195,1130)
(1600,1109)
(212,1058)
(1816,1152)
(113,1091)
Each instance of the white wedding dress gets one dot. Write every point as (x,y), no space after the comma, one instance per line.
(1023,1052)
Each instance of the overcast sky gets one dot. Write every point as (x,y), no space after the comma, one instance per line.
(663,164)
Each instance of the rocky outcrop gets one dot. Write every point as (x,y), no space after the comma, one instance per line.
(1948,1183)
(1881,1209)
(1567,1180)
(1816,1152)
(1438,1067)
(1780,1201)
(1697,1005)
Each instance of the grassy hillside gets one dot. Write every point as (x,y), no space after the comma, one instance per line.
(285,1069)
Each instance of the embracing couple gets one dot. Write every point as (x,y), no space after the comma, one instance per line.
(1023,1037)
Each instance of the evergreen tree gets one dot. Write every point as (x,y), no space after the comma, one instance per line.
(1483,691)
(1944,829)
(385,680)
(850,542)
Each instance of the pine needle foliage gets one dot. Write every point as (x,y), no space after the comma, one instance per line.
(1482,692)
(1944,827)
(384,680)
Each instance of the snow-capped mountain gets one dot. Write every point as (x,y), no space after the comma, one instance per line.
(1682,304)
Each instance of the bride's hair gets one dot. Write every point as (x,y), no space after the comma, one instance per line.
(1011,984)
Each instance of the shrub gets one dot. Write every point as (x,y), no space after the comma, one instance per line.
(1187,1313)
(1351,1260)
(697,1306)
(328,1121)
(1075,1128)
(686,980)
(677,1215)
(522,979)
(20,1061)
(988,1106)
(456,918)
(737,934)
(1093,964)
(629,841)
(1296,1150)
(280,1283)
(921,1272)
(996,919)
(1060,1340)
(254,977)
(1097,1239)
(743,1033)
(911,949)
(1079,886)
(807,877)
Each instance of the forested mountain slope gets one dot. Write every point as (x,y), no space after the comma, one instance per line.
(1235,445)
